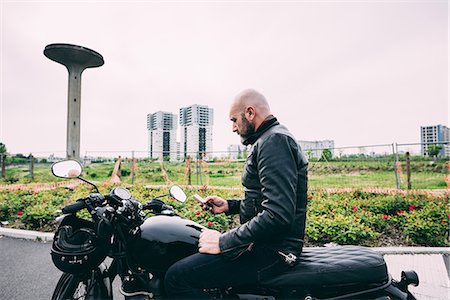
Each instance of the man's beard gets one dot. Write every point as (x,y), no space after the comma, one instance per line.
(247,128)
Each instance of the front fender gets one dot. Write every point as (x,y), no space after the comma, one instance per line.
(102,287)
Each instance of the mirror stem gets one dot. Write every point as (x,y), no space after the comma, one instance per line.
(163,195)
(88,182)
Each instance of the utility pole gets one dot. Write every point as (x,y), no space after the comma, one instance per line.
(133,165)
(76,59)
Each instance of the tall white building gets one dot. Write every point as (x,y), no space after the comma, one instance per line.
(196,122)
(435,134)
(162,135)
(315,148)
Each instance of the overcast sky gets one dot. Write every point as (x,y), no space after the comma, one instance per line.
(356,72)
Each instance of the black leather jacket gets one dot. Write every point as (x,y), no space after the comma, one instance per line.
(273,212)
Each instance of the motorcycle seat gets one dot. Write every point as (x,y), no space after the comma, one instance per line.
(333,266)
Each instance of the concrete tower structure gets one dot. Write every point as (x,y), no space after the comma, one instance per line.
(76,59)
(162,135)
(196,122)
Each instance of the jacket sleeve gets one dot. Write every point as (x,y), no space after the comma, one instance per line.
(277,170)
(233,206)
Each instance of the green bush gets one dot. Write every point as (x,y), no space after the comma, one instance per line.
(39,216)
(343,218)
(428,226)
(339,229)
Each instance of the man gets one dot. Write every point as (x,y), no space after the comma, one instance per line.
(272,214)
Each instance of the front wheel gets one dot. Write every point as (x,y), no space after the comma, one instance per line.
(72,286)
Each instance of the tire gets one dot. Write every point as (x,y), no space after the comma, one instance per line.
(72,286)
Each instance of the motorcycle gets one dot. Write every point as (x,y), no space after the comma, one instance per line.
(120,240)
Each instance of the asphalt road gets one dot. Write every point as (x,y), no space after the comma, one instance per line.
(26,270)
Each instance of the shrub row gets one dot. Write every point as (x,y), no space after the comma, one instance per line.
(344,218)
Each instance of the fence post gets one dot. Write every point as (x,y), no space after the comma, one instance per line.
(3,163)
(31,157)
(132,166)
(408,170)
(394,151)
(196,169)
(188,162)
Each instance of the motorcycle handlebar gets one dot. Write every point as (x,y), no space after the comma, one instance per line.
(74,207)
(95,199)
(155,204)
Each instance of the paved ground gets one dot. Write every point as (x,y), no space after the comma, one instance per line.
(433,273)
(27,272)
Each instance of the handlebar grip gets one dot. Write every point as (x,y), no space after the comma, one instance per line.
(74,207)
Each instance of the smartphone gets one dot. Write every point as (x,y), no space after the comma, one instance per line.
(199,198)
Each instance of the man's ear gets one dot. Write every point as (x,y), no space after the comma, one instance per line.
(250,112)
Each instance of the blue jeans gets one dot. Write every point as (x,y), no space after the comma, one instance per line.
(187,278)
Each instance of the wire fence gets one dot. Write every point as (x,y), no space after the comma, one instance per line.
(385,166)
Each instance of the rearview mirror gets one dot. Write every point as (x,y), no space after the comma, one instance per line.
(67,169)
(178,193)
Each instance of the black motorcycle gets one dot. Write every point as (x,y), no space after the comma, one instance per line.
(121,241)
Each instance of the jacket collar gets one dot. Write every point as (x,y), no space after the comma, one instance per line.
(266,124)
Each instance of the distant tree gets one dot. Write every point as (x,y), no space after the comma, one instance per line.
(362,151)
(2,160)
(245,152)
(239,153)
(433,150)
(326,155)
(2,148)
(309,154)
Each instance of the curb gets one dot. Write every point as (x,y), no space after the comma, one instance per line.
(412,250)
(27,234)
(48,237)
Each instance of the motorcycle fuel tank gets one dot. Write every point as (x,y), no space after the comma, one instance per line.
(163,240)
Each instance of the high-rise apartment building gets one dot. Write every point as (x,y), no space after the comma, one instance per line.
(162,135)
(196,122)
(435,135)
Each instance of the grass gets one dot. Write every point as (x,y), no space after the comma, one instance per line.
(359,174)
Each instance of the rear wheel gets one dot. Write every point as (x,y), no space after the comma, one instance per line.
(77,287)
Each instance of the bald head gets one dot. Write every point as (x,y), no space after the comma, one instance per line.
(248,112)
(253,98)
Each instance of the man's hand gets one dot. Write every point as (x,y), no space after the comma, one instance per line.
(216,204)
(209,242)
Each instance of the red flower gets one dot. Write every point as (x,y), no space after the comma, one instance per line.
(399,212)
(354,208)
(198,213)
(20,213)
(210,224)
(448,215)
(310,197)
(385,217)
(411,207)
